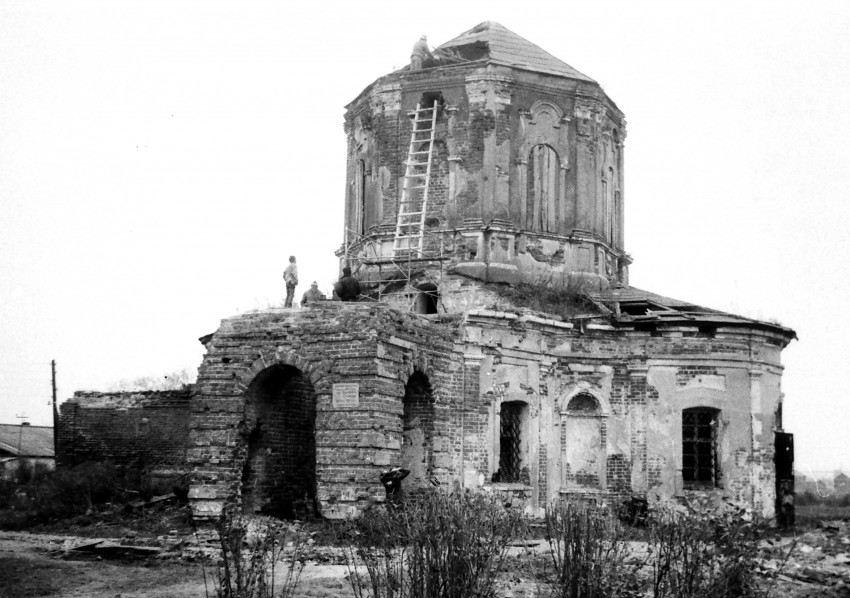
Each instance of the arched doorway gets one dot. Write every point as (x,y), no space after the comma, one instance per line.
(279,474)
(417,429)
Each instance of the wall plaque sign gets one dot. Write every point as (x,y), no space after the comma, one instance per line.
(346,394)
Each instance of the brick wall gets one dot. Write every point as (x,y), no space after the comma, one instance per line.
(146,429)
(366,346)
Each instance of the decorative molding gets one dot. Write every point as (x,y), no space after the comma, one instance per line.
(475,77)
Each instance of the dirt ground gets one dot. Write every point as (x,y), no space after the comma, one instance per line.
(156,559)
(40,565)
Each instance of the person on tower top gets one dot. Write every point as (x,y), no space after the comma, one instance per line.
(420,53)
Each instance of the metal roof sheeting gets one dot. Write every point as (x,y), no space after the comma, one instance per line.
(506,47)
(26,441)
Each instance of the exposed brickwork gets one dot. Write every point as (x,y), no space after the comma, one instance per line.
(369,345)
(686,374)
(618,474)
(139,429)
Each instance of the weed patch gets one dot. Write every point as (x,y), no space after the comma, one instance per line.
(437,545)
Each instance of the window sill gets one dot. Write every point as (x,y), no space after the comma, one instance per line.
(509,486)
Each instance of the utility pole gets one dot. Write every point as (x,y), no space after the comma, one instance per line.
(55,411)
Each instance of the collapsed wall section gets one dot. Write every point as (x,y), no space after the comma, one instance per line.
(148,430)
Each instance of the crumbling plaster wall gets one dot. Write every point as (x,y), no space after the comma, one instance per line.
(490,119)
(641,383)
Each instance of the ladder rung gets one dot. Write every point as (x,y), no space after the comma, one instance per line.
(416,187)
(422,152)
(408,236)
(411,214)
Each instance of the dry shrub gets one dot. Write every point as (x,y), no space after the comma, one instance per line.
(438,545)
(700,551)
(49,495)
(249,552)
(589,555)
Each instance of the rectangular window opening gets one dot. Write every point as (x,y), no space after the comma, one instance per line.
(510,443)
(700,463)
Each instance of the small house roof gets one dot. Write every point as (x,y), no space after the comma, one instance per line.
(27,441)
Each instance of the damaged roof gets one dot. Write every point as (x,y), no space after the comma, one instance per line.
(502,46)
(631,305)
(26,441)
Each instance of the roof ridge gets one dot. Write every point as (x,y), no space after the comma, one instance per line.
(503,46)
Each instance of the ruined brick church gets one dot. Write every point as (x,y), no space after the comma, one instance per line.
(497,345)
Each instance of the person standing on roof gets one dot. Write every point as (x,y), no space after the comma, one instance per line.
(420,53)
(290,277)
(347,287)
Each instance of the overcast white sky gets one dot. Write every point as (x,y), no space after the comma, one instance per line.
(160,160)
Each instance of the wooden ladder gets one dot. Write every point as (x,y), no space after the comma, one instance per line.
(410,227)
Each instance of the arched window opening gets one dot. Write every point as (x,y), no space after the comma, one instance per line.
(584,443)
(700,460)
(279,474)
(428,299)
(417,429)
(583,403)
(608,186)
(513,444)
(543,189)
(360,199)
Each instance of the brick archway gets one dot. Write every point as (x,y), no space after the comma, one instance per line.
(278,474)
(314,372)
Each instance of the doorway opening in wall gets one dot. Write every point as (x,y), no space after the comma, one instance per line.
(428,298)
(429,97)
(417,429)
(512,444)
(700,463)
(279,473)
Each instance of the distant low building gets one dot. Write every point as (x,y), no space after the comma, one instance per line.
(25,444)
(841,483)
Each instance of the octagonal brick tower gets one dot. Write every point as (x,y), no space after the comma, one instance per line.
(525,177)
